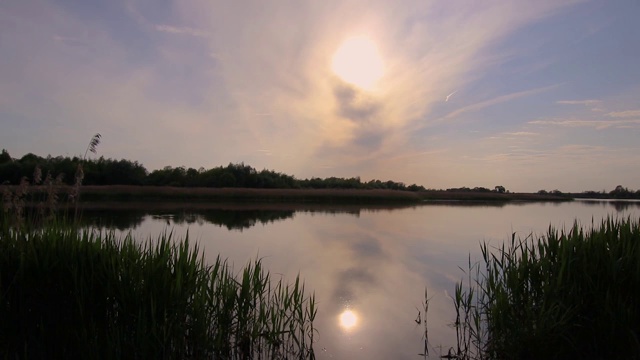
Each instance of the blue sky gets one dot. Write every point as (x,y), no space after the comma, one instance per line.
(527,94)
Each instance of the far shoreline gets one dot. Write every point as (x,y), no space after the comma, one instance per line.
(130,193)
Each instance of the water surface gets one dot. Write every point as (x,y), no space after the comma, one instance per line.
(368,267)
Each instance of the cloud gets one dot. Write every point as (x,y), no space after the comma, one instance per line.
(498,100)
(270,58)
(522,133)
(182,30)
(354,105)
(580,148)
(624,114)
(579,102)
(515,135)
(73,41)
(449,96)
(596,105)
(278,60)
(525,155)
(366,133)
(597,124)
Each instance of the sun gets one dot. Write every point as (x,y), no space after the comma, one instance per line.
(358,62)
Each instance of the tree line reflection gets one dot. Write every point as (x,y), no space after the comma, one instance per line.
(233,218)
(126,219)
(242,217)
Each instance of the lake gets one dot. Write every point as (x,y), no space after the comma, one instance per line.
(373,262)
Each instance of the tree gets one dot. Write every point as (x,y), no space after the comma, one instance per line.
(5,157)
(228,180)
(620,192)
(500,189)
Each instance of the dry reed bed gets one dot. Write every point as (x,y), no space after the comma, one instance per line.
(247,192)
(168,193)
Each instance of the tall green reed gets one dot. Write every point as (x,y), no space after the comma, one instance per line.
(568,294)
(68,291)
(65,292)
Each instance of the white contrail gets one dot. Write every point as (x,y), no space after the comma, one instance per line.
(450,95)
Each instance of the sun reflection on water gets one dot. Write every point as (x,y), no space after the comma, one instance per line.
(348,319)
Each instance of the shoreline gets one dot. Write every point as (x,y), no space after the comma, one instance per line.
(150,194)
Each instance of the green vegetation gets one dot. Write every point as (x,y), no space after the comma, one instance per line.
(620,192)
(66,293)
(566,295)
(103,171)
(118,180)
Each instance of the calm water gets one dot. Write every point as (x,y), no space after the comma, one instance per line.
(374,262)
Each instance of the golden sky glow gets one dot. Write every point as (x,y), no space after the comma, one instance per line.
(358,62)
(442,94)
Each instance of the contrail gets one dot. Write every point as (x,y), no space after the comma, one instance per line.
(450,95)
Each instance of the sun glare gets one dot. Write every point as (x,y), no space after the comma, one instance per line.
(348,319)
(358,62)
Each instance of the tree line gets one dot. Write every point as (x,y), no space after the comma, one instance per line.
(102,171)
(620,192)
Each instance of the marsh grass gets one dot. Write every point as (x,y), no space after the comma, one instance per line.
(149,193)
(32,203)
(68,291)
(87,294)
(37,202)
(569,294)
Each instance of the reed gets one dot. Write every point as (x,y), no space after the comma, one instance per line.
(75,293)
(569,294)
(68,291)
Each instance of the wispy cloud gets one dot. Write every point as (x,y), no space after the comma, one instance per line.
(596,124)
(579,102)
(596,105)
(580,149)
(522,133)
(279,60)
(625,114)
(241,85)
(450,95)
(68,40)
(498,100)
(182,31)
(515,135)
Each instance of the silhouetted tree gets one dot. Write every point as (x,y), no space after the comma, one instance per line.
(103,171)
(5,157)
(620,192)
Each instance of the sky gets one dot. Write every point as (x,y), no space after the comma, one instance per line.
(526,94)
